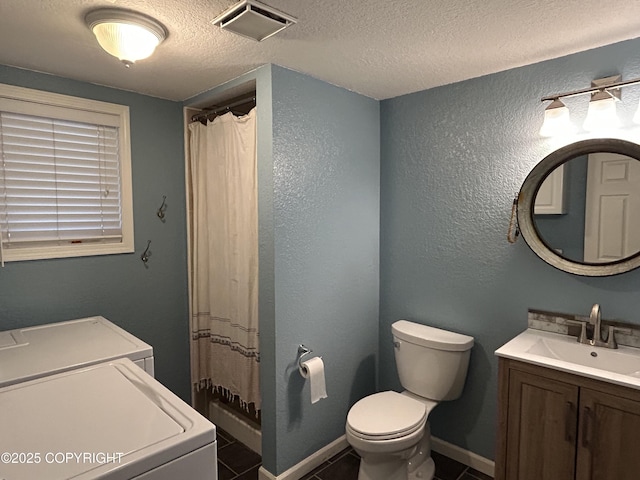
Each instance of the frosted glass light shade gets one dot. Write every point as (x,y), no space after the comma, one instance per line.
(129,36)
(636,117)
(601,114)
(557,120)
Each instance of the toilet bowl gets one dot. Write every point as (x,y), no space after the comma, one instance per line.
(389,430)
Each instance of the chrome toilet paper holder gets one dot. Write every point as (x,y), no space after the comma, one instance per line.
(302,351)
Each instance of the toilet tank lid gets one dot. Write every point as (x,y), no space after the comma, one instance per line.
(431,337)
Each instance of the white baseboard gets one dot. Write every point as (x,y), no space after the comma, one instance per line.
(463,456)
(314,460)
(236,426)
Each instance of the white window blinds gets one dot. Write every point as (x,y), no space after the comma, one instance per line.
(59,181)
(65,176)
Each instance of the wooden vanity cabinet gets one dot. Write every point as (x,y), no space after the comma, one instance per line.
(558,426)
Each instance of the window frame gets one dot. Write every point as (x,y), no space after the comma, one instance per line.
(67,107)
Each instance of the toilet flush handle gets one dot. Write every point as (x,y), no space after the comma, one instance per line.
(396,344)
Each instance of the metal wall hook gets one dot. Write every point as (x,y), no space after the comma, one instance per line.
(146,254)
(162,208)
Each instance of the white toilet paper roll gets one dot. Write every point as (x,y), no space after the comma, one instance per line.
(313,369)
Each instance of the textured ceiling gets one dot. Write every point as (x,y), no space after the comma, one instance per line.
(381,49)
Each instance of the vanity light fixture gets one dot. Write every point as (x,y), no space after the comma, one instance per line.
(602,106)
(127,35)
(605,93)
(556,119)
(602,113)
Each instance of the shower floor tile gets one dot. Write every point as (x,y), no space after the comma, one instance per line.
(238,462)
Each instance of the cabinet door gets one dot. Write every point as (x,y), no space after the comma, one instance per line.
(609,437)
(541,432)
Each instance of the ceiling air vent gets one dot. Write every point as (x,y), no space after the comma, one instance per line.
(253,20)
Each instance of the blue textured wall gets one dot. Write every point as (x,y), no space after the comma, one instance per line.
(150,303)
(326,213)
(452,159)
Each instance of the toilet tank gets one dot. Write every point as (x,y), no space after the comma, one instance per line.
(431,362)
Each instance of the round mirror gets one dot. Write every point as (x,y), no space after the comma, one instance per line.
(579,208)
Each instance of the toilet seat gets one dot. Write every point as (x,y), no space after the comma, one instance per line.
(385,416)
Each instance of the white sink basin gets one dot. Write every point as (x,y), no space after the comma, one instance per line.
(562,352)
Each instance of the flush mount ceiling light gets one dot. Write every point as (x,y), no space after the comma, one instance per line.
(127,35)
(605,93)
(253,19)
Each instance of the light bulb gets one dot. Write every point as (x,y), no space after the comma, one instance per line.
(636,117)
(557,120)
(602,113)
(125,41)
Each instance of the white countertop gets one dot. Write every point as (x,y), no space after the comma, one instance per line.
(563,352)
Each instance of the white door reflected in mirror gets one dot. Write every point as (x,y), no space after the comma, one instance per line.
(612,208)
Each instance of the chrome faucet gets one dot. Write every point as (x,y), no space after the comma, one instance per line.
(595,319)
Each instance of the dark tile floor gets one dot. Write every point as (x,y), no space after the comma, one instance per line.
(237,462)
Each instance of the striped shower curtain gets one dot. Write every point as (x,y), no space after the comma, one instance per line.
(224,257)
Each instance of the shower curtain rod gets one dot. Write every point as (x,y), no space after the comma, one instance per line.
(215,111)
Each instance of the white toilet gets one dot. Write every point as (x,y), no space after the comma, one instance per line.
(389,430)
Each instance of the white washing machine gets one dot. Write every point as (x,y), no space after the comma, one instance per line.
(34,352)
(59,398)
(109,421)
